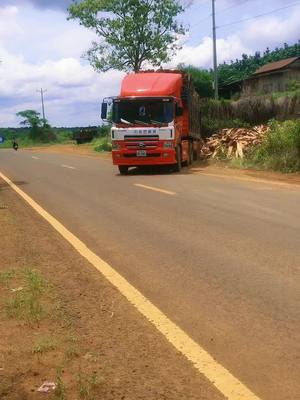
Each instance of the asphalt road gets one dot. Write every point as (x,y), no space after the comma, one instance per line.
(220,257)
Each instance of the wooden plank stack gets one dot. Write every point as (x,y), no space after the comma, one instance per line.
(234,142)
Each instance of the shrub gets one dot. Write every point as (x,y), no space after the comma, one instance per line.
(280,150)
(102,144)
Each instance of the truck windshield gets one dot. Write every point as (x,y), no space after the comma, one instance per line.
(144,111)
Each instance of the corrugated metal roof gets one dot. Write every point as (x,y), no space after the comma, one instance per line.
(276,65)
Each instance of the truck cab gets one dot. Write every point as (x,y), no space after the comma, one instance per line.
(151,121)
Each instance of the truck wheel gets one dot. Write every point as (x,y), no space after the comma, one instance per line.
(191,154)
(123,169)
(178,165)
(196,152)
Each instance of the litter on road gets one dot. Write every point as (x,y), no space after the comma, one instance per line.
(46,387)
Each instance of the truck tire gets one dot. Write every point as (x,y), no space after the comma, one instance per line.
(123,169)
(178,165)
(195,154)
(191,154)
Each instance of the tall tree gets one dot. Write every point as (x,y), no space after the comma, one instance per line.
(132,33)
(39,128)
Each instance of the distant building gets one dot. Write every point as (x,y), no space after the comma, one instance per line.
(274,77)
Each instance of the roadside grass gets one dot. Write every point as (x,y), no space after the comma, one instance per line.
(49,322)
(60,390)
(72,349)
(44,344)
(25,303)
(6,277)
(102,144)
(40,329)
(87,384)
(24,140)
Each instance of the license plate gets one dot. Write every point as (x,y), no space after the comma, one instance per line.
(141,153)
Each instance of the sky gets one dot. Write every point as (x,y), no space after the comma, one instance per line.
(39,48)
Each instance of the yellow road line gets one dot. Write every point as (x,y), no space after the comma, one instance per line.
(155,189)
(220,377)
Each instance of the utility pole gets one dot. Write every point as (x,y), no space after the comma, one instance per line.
(216,85)
(41,91)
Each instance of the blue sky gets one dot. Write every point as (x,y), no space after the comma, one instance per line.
(40,48)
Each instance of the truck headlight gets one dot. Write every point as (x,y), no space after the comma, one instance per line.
(115,146)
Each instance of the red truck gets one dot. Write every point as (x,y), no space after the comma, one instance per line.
(156,120)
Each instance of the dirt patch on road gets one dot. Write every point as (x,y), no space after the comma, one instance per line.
(61,321)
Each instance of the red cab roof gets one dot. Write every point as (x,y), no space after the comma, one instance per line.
(148,84)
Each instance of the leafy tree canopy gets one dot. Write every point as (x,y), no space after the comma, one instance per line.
(39,127)
(247,65)
(132,33)
(31,119)
(202,80)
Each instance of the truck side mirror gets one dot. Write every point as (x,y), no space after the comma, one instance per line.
(179,111)
(104,111)
(107,109)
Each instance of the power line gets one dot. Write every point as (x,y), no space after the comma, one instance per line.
(220,12)
(259,15)
(233,6)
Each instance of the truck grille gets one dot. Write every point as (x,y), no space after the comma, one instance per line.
(141,137)
(144,146)
(141,142)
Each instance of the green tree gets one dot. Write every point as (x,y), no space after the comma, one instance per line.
(202,80)
(131,32)
(39,128)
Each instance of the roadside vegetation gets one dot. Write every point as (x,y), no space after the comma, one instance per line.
(280,150)
(99,140)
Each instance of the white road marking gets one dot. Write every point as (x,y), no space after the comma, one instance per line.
(155,189)
(219,376)
(35,158)
(67,166)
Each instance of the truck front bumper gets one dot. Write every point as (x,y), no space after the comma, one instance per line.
(158,156)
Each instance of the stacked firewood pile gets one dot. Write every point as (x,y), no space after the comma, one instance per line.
(234,142)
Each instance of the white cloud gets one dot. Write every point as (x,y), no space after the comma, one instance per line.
(74,90)
(40,48)
(9,26)
(201,55)
(273,30)
(68,82)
